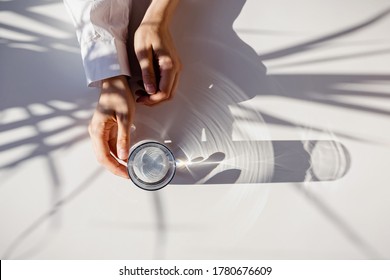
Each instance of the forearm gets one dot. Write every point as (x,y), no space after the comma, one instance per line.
(160,12)
(101,28)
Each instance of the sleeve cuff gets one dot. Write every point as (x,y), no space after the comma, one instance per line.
(104,59)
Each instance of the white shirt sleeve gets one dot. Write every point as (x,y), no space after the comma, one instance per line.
(102,30)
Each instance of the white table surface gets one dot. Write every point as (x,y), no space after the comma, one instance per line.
(292,71)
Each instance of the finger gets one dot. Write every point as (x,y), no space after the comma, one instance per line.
(151,100)
(112,141)
(123,140)
(159,97)
(145,59)
(168,71)
(168,83)
(104,157)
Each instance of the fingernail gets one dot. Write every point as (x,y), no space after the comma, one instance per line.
(150,88)
(122,154)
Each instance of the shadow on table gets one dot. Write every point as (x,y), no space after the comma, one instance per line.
(208,125)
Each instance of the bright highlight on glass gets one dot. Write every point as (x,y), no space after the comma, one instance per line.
(151,165)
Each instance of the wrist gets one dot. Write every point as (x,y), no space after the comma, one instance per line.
(117,82)
(160,12)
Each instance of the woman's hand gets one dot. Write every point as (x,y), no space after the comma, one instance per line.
(111,123)
(156,53)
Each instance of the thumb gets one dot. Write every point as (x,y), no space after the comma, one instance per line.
(123,140)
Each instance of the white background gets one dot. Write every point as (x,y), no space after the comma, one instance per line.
(328,70)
